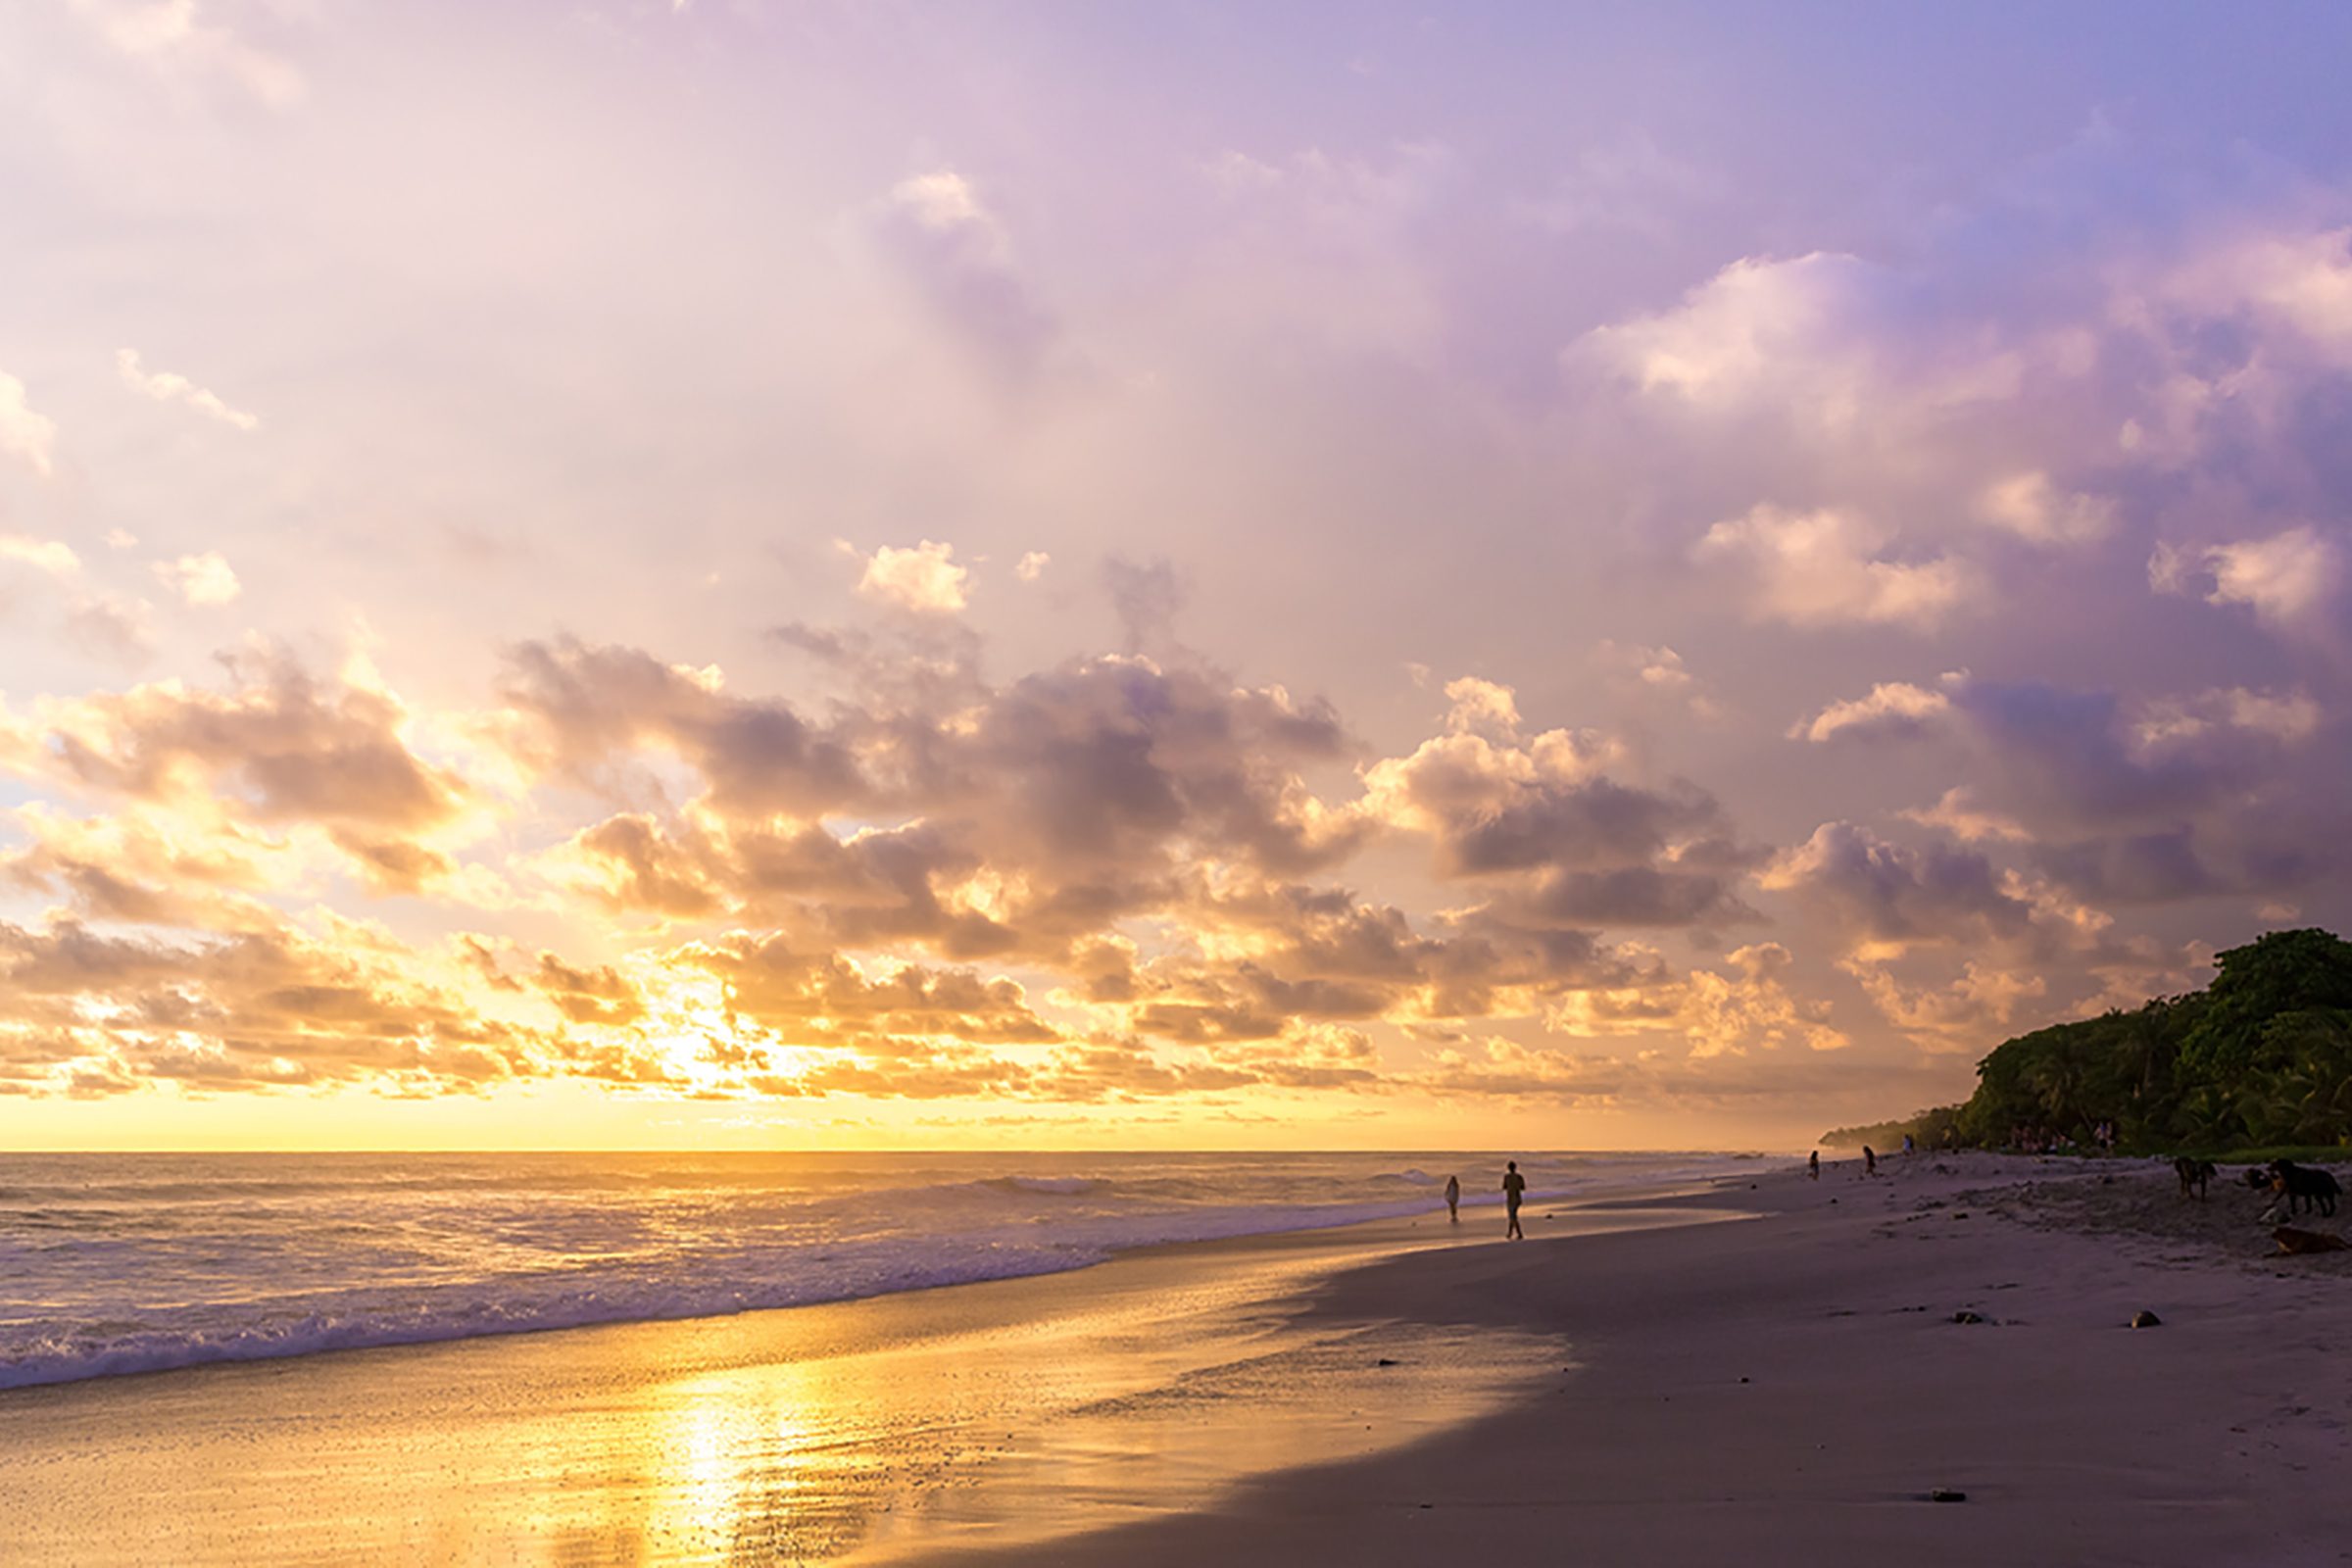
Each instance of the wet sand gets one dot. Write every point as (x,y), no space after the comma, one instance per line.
(1786,1385)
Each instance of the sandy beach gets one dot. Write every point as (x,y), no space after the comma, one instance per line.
(1792,1388)
(1761,1372)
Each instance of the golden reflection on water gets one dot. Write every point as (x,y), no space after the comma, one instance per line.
(1144,1399)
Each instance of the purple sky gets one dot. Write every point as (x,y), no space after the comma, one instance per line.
(821,573)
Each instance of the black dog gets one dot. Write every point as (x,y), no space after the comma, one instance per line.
(2194,1174)
(2303,1187)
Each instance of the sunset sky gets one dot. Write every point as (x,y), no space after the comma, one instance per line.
(801,573)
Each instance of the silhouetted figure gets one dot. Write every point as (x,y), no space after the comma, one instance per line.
(1813,1164)
(1514,1188)
(1454,1199)
(1908,1145)
(1870,1161)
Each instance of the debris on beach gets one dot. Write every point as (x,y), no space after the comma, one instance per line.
(2144,1319)
(1946,1495)
(1968,1317)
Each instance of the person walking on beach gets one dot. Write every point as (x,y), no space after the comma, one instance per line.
(1813,1164)
(1870,1161)
(1454,1199)
(1514,1188)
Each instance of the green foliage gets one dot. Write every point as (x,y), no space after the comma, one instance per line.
(1938,1127)
(2283,972)
(2262,1056)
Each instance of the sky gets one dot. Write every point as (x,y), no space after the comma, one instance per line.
(846,573)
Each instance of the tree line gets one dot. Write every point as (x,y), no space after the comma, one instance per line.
(2261,1057)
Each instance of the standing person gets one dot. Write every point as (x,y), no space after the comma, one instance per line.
(1908,1145)
(1870,1161)
(1454,1199)
(1514,1188)
(1813,1164)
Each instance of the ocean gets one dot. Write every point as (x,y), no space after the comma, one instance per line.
(126,1263)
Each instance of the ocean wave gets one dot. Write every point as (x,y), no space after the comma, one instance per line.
(1052,1185)
(53,1352)
(116,1266)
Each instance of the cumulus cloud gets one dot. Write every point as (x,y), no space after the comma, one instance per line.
(24,432)
(1085,787)
(588,714)
(959,254)
(1889,893)
(1889,705)
(1656,673)
(1756,329)
(1955,812)
(1556,840)
(1481,707)
(872,895)
(1032,566)
(1746,1010)
(1148,596)
(177,38)
(823,998)
(1819,568)
(49,555)
(204,580)
(1832,350)
(2164,798)
(94,1012)
(2297,282)
(164,386)
(2031,507)
(1878,439)
(112,626)
(281,743)
(2290,579)
(1983,1002)
(924,578)
(147,868)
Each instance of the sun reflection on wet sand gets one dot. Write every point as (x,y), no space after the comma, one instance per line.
(876,1429)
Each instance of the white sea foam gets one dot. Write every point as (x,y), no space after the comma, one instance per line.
(123,1264)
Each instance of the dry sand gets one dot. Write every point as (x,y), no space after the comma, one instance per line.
(1784,1385)
(1791,1389)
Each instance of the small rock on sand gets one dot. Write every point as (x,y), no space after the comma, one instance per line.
(1968,1317)
(2146,1320)
(1946,1495)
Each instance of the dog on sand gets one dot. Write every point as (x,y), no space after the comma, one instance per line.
(2303,1187)
(2194,1174)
